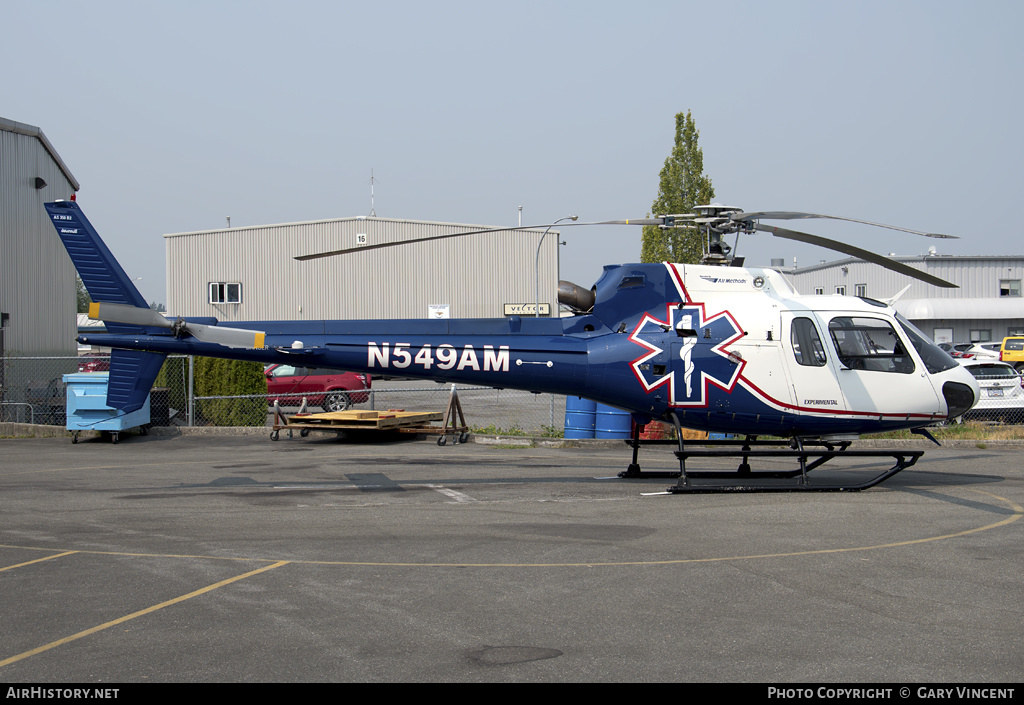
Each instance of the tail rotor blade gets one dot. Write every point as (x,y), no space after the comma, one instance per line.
(228,337)
(220,335)
(123,313)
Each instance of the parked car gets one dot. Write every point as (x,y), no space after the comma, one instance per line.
(968,351)
(955,349)
(1002,393)
(983,350)
(94,363)
(333,390)
(1012,351)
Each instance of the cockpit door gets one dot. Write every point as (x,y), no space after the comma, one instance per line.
(813,370)
(878,370)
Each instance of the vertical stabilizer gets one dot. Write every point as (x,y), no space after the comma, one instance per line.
(132,373)
(103,277)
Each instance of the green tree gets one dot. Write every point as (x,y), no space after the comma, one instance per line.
(217,377)
(83,296)
(683,185)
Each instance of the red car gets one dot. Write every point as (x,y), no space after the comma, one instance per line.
(94,363)
(333,390)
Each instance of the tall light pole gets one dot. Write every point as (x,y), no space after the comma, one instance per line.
(536,264)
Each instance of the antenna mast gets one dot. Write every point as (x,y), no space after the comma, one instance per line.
(373,213)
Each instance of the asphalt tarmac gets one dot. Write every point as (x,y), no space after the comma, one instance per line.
(235,559)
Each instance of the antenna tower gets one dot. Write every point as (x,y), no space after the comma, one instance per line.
(373,213)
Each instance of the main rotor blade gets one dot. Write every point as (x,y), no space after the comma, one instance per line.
(629,221)
(855,252)
(534,228)
(797,215)
(396,243)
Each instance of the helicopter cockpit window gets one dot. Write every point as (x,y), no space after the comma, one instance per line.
(869,344)
(935,358)
(807,345)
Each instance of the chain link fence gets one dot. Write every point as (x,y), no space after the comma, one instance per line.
(32,390)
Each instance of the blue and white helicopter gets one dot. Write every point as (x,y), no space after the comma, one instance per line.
(709,347)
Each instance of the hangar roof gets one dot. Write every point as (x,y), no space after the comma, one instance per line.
(31,131)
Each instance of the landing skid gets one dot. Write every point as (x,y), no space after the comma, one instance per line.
(743,479)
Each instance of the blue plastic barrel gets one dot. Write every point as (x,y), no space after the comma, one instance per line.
(579,417)
(611,422)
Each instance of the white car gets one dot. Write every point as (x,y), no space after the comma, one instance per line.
(983,350)
(1002,393)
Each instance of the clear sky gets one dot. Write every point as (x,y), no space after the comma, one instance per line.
(174,116)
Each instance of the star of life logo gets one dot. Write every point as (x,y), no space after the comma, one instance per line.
(690,367)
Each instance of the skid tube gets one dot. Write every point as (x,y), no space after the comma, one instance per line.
(743,479)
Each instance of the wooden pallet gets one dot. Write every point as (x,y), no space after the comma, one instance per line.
(390,419)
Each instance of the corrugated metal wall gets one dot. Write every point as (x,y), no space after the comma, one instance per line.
(474,275)
(978,277)
(37,280)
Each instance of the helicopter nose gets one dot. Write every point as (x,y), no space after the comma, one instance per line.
(959,398)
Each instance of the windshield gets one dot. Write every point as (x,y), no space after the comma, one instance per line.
(935,359)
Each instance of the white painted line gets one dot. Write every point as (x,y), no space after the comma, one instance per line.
(453,494)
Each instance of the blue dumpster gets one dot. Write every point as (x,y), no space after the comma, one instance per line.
(87,408)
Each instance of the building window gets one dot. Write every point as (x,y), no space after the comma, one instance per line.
(981,336)
(819,291)
(841,290)
(225,293)
(860,290)
(1009,287)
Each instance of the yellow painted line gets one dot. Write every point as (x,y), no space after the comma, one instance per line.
(37,560)
(1017,509)
(133,615)
(131,554)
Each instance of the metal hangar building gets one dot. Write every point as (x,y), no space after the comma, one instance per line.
(37,279)
(249,273)
(988,306)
